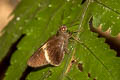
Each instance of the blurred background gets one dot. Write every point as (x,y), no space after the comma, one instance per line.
(6,8)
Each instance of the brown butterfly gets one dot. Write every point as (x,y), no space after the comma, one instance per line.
(52,52)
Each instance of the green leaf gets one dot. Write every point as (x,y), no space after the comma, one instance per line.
(38,20)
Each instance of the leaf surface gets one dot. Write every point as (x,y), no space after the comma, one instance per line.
(38,20)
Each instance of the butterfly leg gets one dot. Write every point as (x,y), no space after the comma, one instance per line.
(66,46)
(66,50)
(73,38)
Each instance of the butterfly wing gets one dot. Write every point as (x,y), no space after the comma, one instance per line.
(54,51)
(37,59)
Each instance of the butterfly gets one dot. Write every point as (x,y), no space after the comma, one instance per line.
(52,52)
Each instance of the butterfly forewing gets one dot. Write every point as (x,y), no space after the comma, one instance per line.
(37,59)
(55,51)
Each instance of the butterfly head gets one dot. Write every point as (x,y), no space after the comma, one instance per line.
(63,29)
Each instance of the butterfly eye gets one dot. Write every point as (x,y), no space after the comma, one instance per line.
(63,28)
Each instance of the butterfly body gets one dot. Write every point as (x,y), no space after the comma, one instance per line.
(52,52)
